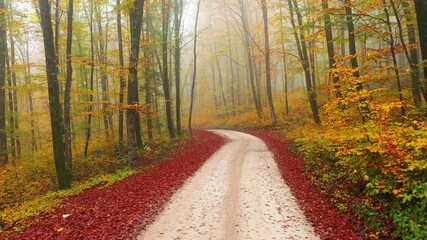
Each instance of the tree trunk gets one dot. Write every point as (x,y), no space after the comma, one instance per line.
(421,10)
(121,77)
(412,54)
(245,25)
(57,123)
(102,58)
(178,10)
(217,104)
(233,82)
(267,62)
(92,76)
(148,56)
(67,93)
(363,104)
(285,68)
(12,61)
(12,149)
(193,84)
(221,82)
(165,68)
(136,15)
(393,55)
(27,75)
(305,61)
(330,47)
(57,33)
(3,54)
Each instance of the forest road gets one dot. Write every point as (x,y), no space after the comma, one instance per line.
(237,194)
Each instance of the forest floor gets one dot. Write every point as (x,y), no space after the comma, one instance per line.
(235,190)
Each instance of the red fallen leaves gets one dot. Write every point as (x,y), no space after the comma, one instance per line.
(328,222)
(114,211)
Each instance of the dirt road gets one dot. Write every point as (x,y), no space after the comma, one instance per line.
(237,194)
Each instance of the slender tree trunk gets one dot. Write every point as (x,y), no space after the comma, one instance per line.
(92,76)
(154,86)
(12,61)
(136,15)
(67,93)
(267,62)
(107,86)
(178,10)
(148,79)
(393,55)
(165,68)
(232,82)
(221,82)
(12,149)
(312,64)
(15,96)
(342,35)
(240,86)
(233,79)
(305,61)
(3,53)
(217,104)
(245,24)
(157,121)
(412,54)
(57,33)
(102,58)
(421,10)
(330,47)
(257,72)
(285,67)
(122,76)
(193,84)
(363,104)
(352,42)
(56,119)
(26,60)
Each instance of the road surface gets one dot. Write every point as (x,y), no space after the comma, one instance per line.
(237,194)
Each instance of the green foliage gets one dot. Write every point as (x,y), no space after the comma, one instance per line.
(411,218)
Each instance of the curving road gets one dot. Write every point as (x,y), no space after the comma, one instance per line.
(237,194)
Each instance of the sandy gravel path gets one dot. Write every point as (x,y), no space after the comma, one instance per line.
(237,194)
